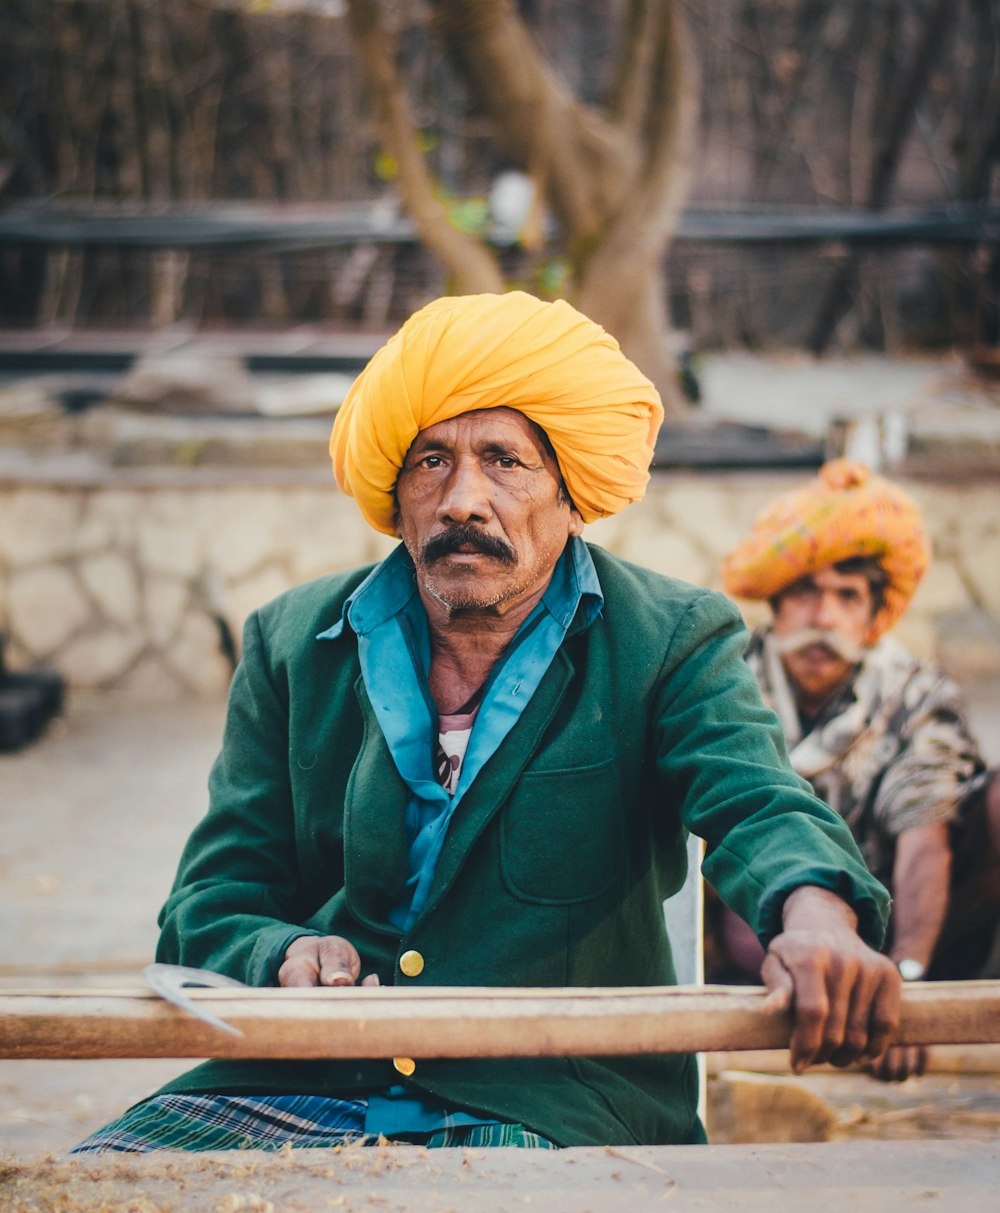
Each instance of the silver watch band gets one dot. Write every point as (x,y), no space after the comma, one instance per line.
(910,969)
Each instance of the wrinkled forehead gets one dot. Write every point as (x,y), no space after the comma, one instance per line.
(501,425)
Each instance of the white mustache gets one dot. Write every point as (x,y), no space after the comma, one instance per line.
(845,649)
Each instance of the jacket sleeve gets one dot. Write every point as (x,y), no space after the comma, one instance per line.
(722,758)
(237,898)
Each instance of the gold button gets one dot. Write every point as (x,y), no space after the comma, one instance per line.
(404,1065)
(411,963)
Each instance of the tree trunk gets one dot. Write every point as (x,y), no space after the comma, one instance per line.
(621,282)
(616,185)
(628,301)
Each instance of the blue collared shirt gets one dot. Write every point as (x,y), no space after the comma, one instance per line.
(387,615)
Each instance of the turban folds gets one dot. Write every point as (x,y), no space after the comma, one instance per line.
(845,513)
(469,352)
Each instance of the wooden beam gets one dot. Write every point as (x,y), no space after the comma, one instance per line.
(942,1059)
(363,1022)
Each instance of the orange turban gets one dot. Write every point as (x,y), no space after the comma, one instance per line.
(845,513)
(546,360)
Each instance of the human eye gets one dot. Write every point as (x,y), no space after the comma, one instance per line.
(503,458)
(430,461)
(801,591)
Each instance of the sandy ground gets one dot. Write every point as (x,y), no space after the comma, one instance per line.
(864,1177)
(93,821)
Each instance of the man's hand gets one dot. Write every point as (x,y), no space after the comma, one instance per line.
(844,996)
(322,960)
(899,1062)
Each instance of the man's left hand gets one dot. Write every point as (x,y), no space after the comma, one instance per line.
(844,996)
(899,1062)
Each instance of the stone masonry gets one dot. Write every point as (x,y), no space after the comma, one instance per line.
(136,587)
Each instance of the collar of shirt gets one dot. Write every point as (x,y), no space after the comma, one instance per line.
(387,615)
(389,595)
(391,587)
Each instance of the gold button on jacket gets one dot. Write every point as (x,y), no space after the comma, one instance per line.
(411,963)
(404,1065)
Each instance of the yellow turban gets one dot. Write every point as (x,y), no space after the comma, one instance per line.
(845,513)
(546,360)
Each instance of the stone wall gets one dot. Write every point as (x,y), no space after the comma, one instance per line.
(134,586)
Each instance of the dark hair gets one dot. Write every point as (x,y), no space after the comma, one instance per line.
(550,450)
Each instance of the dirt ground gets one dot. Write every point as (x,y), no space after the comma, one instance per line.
(865,1177)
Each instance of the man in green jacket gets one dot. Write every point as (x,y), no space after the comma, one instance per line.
(475,763)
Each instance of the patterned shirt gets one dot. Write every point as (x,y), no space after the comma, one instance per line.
(454,732)
(892,750)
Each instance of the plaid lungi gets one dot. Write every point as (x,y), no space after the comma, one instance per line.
(268,1122)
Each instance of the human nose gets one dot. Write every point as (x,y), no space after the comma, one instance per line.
(466,497)
(827,614)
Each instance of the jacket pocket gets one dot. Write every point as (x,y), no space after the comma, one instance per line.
(562,835)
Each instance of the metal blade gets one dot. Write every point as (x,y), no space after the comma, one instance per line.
(169,981)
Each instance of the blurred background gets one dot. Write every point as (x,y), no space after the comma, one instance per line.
(812,116)
(212,212)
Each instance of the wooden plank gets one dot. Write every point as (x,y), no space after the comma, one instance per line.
(864,1177)
(449,1021)
(942,1059)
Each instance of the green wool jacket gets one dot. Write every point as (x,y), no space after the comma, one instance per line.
(647,724)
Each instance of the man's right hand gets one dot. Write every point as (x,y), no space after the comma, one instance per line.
(844,995)
(322,960)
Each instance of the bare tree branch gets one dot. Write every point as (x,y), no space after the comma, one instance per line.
(885,161)
(474,267)
(630,95)
(582,163)
(622,285)
(616,188)
(650,213)
(668,152)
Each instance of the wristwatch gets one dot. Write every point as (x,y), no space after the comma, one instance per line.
(910,969)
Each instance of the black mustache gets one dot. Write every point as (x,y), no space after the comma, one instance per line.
(459,537)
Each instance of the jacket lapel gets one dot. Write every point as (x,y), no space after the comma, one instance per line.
(375,853)
(493,784)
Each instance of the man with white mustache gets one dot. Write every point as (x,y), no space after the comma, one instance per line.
(879,734)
